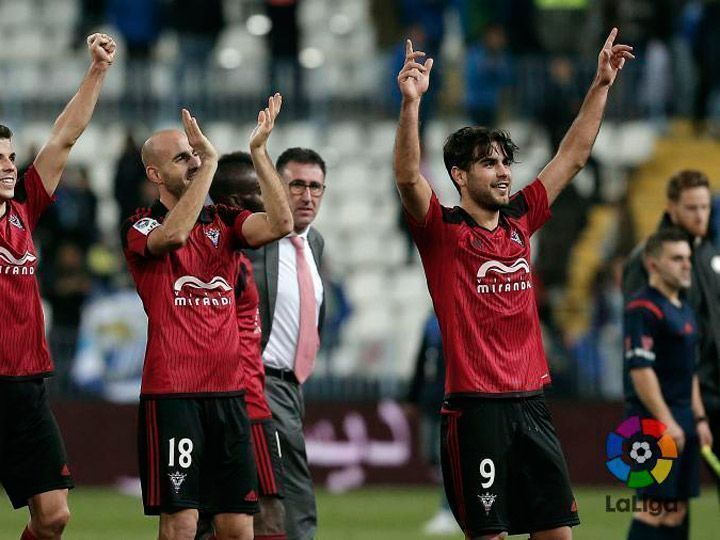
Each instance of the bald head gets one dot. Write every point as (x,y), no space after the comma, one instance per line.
(161,146)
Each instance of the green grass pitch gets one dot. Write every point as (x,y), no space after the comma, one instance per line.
(372,514)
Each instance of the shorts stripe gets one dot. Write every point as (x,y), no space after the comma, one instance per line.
(263,460)
(455,466)
(153,454)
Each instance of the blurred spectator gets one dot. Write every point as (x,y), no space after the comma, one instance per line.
(73,217)
(560,23)
(337,311)
(138,21)
(706,51)
(198,24)
(385,17)
(111,346)
(561,100)
(425,395)
(129,178)
(488,72)
(68,284)
(91,15)
(284,42)
(516,17)
(601,366)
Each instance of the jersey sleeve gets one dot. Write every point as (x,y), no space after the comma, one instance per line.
(234,219)
(640,331)
(428,234)
(534,197)
(135,232)
(37,196)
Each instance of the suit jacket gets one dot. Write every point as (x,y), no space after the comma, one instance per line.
(266,263)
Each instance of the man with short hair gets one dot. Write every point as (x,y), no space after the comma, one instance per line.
(236,184)
(33,463)
(661,336)
(688,208)
(287,274)
(503,468)
(194,435)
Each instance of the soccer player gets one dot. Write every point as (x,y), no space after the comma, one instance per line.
(661,336)
(292,308)
(503,468)
(236,184)
(194,435)
(33,464)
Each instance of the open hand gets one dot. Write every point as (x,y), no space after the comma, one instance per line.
(414,77)
(612,59)
(198,141)
(102,49)
(265,122)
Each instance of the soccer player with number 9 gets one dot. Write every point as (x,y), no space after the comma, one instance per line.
(503,468)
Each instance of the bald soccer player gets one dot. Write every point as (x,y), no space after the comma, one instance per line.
(194,435)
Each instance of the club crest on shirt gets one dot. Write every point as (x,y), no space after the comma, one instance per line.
(515,237)
(487,500)
(214,235)
(14,220)
(177,479)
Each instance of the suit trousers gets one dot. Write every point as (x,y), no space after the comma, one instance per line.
(288,409)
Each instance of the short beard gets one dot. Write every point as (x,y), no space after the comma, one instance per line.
(488,203)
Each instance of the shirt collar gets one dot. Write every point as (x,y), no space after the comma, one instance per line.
(303,234)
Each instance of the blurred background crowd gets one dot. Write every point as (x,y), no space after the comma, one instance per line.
(523,65)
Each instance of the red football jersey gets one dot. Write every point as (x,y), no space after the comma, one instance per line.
(24,351)
(481,285)
(188,295)
(247,302)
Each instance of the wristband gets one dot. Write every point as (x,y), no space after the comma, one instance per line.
(701,419)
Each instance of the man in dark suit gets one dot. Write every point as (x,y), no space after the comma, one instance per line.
(287,273)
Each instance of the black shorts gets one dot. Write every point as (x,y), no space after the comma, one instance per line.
(268,457)
(196,453)
(503,468)
(32,454)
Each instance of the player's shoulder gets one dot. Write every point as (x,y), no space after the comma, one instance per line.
(143,220)
(521,201)
(225,213)
(141,217)
(646,302)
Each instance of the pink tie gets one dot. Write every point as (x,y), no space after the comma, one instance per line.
(308,340)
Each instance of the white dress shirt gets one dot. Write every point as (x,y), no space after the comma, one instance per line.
(279,352)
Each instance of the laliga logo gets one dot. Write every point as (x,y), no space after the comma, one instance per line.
(500,268)
(216,283)
(10,265)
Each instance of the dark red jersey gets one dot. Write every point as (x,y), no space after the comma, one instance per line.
(247,302)
(23,349)
(482,288)
(193,339)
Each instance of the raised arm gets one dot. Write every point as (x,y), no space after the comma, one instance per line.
(577,144)
(68,127)
(413,80)
(175,230)
(277,221)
